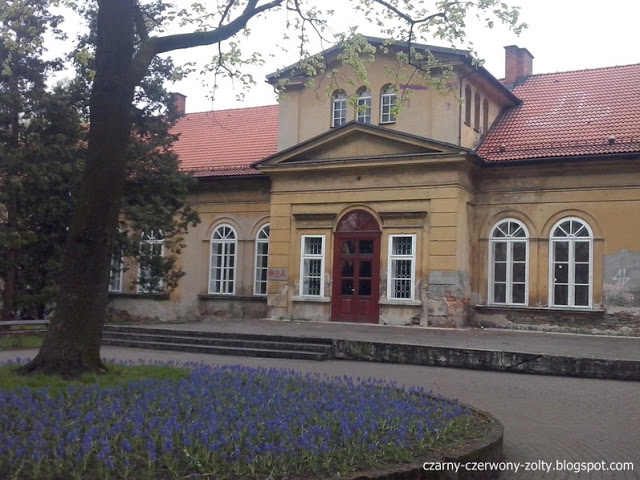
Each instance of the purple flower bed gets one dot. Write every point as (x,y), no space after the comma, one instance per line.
(220,422)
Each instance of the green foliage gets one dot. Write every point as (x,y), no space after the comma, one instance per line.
(42,151)
(19,341)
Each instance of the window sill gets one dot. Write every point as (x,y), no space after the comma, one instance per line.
(153,296)
(226,296)
(387,123)
(312,299)
(580,311)
(402,303)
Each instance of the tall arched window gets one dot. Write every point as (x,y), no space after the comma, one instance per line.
(222,273)
(476,111)
(571,264)
(508,261)
(387,105)
(150,267)
(485,116)
(467,105)
(363,113)
(262,256)
(339,109)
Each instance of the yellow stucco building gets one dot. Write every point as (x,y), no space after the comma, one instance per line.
(388,200)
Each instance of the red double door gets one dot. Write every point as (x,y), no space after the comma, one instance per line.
(356,277)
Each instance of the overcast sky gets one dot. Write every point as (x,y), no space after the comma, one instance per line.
(563,35)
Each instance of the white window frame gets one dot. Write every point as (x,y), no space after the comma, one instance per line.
(509,240)
(387,104)
(571,284)
(312,256)
(229,262)
(115,274)
(339,109)
(363,107)
(152,240)
(391,294)
(262,238)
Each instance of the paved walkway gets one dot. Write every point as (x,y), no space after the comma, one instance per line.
(580,346)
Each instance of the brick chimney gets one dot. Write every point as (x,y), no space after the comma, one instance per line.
(518,65)
(179,102)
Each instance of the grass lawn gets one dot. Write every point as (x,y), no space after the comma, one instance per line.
(19,341)
(162,422)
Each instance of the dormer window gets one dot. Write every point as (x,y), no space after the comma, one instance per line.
(339,109)
(485,116)
(363,113)
(387,104)
(467,105)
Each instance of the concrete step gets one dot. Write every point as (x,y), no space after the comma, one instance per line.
(230,335)
(219,343)
(223,342)
(218,350)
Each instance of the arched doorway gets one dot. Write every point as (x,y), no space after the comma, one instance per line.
(356,269)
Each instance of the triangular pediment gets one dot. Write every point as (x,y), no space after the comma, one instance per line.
(357,142)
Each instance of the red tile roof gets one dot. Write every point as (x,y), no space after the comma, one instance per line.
(226,142)
(569,114)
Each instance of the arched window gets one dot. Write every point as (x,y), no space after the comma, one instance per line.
(508,263)
(339,109)
(571,264)
(363,113)
(387,105)
(485,116)
(467,105)
(150,267)
(476,111)
(222,276)
(262,256)
(117,265)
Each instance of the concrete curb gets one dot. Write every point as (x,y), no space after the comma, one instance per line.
(473,359)
(487,449)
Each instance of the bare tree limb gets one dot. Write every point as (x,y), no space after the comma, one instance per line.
(156,45)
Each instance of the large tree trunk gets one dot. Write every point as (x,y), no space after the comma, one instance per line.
(72,343)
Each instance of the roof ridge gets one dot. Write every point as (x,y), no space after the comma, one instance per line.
(610,67)
(231,109)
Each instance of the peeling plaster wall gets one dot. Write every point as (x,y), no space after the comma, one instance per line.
(621,283)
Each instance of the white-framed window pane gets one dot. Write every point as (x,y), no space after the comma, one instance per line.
(222,274)
(152,250)
(402,261)
(262,257)
(312,266)
(387,104)
(571,264)
(115,277)
(508,263)
(364,107)
(339,110)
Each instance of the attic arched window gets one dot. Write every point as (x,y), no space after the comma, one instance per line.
(363,112)
(467,105)
(485,116)
(387,104)
(339,108)
(476,111)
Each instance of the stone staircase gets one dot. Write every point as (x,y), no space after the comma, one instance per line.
(219,343)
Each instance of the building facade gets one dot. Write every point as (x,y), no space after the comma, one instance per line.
(450,201)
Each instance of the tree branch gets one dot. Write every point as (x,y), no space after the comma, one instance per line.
(155,45)
(408,18)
